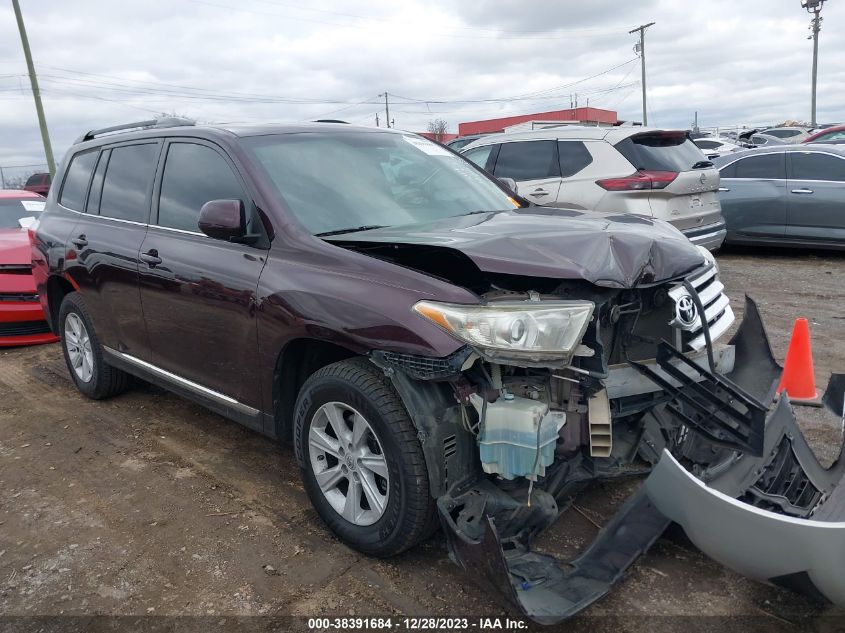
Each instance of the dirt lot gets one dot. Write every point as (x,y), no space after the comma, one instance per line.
(148,504)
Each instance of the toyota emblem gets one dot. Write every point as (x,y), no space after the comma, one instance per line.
(686,311)
(702,179)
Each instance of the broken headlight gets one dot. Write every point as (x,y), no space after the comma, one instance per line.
(512,332)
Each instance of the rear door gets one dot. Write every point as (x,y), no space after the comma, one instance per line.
(198,293)
(535,167)
(686,193)
(102,255)
(816,208)
(753,196)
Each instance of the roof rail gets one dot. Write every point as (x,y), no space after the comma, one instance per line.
(330,121)
(170,121)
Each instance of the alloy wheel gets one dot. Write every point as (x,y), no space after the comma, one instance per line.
(348,463)
(78,345)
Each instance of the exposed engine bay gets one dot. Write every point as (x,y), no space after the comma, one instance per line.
(647,388)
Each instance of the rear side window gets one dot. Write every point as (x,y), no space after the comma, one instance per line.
(660,151)
(127,182)
(816,166)
(96,189)
(573,157)
(193,175)
(770,166)
(78,175)
(529,160)
(35,179)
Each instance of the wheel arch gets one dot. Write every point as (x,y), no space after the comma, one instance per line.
(298,360)
(57,288)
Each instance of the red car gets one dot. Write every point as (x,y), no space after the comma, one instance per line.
(39,183)
(21,316)
(828,134)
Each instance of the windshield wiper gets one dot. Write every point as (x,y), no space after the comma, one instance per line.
(352,230)
(702,164)
(483,211)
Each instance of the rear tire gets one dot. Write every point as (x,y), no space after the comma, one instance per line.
(83,353)
(395,510)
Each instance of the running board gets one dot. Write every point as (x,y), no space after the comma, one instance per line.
(709,403)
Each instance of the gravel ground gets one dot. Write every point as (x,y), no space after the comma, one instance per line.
(147,504)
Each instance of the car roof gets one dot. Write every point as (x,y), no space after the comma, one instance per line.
(812,147)
(566,132)
(228,131)
(18,193)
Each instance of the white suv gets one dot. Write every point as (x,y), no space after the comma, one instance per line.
(658,173)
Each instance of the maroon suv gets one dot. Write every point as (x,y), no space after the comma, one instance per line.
(436,350)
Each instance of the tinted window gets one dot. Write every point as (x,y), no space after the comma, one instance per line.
(574,156)
(707,144)
(783,133)
(660,151)
(728,172)
(75,187)
(479,155)
(35,179)
(194,175)
(127,182)
(96,189)
(763,166)
(759,140)
(815,166)
(527,160)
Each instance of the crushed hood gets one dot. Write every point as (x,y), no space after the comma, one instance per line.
(605,249)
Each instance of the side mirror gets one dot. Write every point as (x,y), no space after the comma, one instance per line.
(223,220)
(510,183)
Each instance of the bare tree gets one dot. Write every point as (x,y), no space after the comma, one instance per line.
(438,127)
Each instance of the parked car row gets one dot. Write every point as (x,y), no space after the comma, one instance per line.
(439,350)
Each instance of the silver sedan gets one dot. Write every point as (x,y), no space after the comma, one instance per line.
(789,195)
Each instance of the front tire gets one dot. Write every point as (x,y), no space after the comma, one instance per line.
(362,464)
(84,354)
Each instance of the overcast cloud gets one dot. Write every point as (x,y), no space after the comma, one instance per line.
(105,62)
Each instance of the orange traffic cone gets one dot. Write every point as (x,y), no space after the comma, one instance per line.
(798,379)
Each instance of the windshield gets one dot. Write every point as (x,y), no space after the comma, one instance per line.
(340,181)
(12,210)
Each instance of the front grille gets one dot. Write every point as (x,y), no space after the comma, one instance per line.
(783,487)
(24,328)
(717,308)
(424,367)
(15,269)
(18,296)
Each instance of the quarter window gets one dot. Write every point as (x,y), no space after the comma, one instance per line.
(816,166)
(574,156)
(127,182)
(479,155)
(75,187)
(193,175)
(529,160)
(769,166)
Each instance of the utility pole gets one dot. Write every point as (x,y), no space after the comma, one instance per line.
(36,93)
(814,7)
(641,51)
(386,109)
(376,119)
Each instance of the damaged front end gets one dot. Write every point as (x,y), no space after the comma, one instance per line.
(646,389)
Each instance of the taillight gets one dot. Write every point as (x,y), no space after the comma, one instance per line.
(639,180)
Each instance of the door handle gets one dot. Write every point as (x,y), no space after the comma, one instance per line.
(151,258)
(802,191)
(539,192)
(80,242)
(724,188)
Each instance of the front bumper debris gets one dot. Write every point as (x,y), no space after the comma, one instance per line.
(772,513)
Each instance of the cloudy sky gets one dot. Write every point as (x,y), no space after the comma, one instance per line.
(102,62)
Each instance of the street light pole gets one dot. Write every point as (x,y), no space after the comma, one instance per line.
(641,30)
(36,93)
(814,7)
